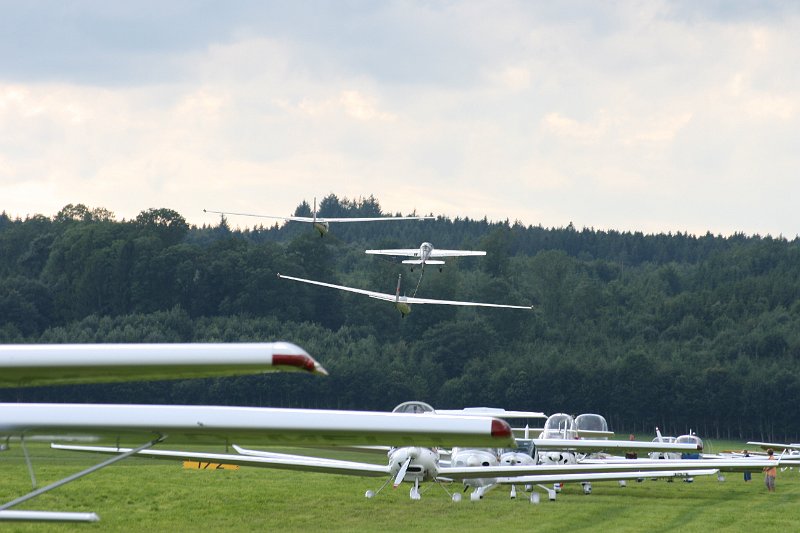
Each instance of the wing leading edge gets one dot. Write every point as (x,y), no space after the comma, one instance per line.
(248,425)
(55,364)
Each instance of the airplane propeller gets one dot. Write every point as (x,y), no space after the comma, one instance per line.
(402,472)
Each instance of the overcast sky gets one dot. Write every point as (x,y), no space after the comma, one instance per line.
(651,116)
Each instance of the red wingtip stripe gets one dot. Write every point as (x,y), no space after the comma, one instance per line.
(500,429)
(303,362)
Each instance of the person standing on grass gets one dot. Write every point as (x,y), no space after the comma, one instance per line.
(747,476)
(770,472)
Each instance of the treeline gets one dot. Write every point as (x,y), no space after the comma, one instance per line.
(677,330)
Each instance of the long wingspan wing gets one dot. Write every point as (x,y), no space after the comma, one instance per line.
(274,217)
(276,460)
(775,445)
(599,476)
(223,425)
(370,219)
(412,300)
(491,411)
(631,465)
(55,364)
(371,294)
(598,445)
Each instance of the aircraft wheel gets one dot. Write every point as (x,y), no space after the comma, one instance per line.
(456,497)
(369,494)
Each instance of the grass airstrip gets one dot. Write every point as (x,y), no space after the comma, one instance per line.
(149,495)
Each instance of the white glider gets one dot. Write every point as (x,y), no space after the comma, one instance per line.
(321,224)
(403,303)
(416,464)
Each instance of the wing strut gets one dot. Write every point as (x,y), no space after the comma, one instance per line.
(78,475)
(28,461)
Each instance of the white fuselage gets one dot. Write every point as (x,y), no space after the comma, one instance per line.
(475,457)
(425,250)
(423,465)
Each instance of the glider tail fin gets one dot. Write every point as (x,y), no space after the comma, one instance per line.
(397,293)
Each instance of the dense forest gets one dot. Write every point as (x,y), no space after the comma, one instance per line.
(675,330)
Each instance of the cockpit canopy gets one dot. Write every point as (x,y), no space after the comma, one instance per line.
(559,426)
(690,439)
(590,422)
(413,407)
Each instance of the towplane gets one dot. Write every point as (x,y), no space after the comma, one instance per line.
(425,254)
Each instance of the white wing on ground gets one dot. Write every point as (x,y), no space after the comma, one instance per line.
(57,364)
(223,425)
(276,460)
(600,445)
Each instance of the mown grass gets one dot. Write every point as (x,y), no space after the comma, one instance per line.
(142,494)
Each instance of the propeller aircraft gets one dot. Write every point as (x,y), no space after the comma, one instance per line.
(425,254)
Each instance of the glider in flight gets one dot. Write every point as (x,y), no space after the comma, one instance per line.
(321,224)
(403,303)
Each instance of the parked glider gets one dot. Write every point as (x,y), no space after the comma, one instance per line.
(402,303)
(788,448)
(425,254)
(419,464)
(321,224)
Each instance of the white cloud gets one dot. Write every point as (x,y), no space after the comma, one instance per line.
(544,113)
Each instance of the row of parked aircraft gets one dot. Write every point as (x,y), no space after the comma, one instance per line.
(527,463)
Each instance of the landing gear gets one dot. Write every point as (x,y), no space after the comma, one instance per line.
(414,492)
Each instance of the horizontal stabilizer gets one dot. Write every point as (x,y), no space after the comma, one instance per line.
(419,262)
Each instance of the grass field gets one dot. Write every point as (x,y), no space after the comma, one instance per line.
(149,495)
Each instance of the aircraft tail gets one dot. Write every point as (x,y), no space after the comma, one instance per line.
(397,293)
(314,213)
